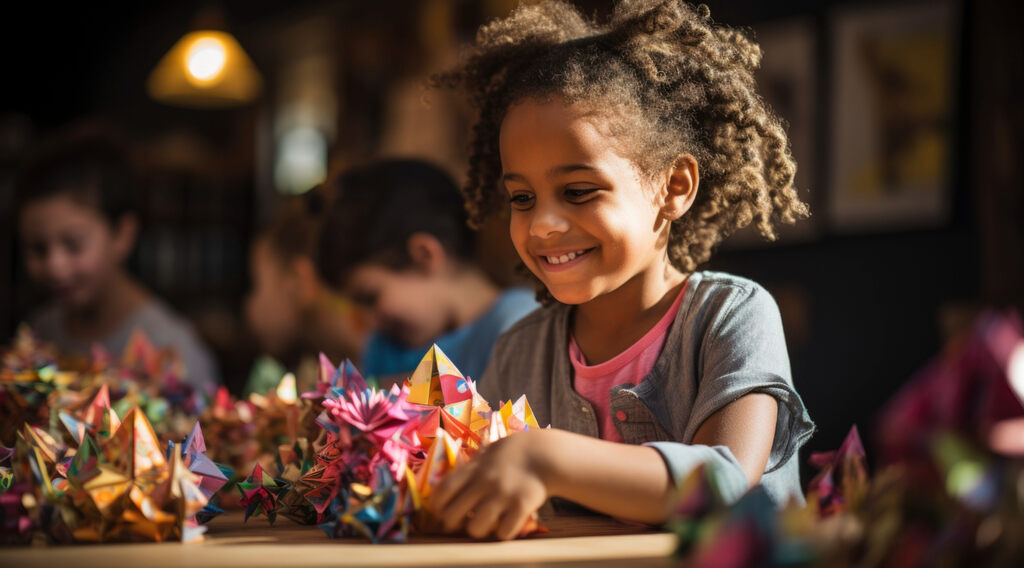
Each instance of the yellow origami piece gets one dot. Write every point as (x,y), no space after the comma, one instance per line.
(425,382)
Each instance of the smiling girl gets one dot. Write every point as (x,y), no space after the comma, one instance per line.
(626,152)
(77,226)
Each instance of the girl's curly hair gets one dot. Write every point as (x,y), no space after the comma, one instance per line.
(673,82)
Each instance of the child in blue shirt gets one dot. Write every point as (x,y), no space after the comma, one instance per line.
(396,241)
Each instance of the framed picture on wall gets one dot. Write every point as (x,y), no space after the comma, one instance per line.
(891,117)
(787,80)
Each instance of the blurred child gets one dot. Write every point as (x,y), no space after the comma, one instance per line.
(397,241)
(626,151)
(293,314)
(78,225)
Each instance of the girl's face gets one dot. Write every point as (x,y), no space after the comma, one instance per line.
(584,219)
(273,309)
(71,249)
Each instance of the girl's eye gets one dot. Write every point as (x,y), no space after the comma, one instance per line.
(521,201)
(74,245)
(579,194)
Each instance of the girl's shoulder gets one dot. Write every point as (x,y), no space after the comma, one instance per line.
(711,296)
(715,282)
(720,311)
(717,295)
(47,323)
(541,327)
(526,356)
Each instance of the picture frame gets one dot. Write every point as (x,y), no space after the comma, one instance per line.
(891,117)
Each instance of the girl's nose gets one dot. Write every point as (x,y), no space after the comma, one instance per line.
(57,263)
(547,221)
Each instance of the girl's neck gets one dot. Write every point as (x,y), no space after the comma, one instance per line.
(612,322)
(115,303)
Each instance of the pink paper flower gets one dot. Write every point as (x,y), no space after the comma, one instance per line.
(378,414)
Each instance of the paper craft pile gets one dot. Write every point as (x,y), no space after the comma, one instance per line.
(950,489)
(36,383)
(151,379)
(29,375)
(383,452)
(111,483)
(254,431)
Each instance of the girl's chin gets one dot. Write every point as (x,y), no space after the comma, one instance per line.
(76,301)
(570,297)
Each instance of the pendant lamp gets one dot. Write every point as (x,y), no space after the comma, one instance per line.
(206,68)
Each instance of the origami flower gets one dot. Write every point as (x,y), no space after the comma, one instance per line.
(376,413)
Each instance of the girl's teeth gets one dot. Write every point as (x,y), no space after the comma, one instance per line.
(564,258)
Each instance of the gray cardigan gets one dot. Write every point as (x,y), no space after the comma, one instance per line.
(725,342)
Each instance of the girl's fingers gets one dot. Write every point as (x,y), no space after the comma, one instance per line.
(512,521)
(449,487)
(454,514)
(485,516)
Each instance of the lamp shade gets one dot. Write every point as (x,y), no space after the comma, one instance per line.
(205,69)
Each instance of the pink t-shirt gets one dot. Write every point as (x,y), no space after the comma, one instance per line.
(593,382)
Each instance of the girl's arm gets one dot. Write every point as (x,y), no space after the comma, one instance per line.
(497,491)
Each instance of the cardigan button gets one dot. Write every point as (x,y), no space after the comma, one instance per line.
(584,409)
(620,416)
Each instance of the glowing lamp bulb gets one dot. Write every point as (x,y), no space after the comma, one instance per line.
(205,59)
(286,391)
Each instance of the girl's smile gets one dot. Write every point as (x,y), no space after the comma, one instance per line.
(558,261)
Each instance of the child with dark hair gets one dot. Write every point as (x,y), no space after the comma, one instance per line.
(626,151)
(77,220)
(396,240)
(292,312)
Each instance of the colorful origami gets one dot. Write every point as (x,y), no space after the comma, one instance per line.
(383,452)
(16,521)
(843,478)
(116,484)
(949,491)
(35,385)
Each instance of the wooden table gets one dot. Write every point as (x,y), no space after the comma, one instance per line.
(571,540)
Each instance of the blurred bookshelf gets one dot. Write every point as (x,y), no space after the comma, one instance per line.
(193,253)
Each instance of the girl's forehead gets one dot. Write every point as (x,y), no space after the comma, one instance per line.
(62,210)
(556,110)
(569,123)
(545,131)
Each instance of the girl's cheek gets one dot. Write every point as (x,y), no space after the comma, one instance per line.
(519,232)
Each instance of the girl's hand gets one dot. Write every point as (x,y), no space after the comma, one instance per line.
(497,491)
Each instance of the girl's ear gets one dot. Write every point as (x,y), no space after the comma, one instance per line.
(126,230)
(680,187)
(427,253)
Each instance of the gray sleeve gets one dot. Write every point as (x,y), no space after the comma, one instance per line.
(681,459)
(745,352)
